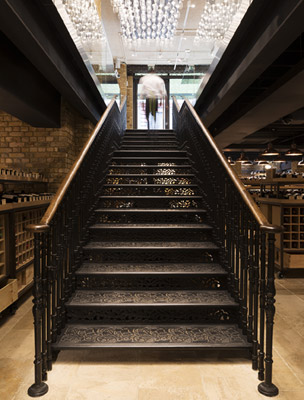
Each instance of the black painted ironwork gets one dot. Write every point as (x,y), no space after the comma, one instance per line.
(60,237)
(245,237)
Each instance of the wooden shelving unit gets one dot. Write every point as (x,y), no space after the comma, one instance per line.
(293,222)
(2,247)
(17,248)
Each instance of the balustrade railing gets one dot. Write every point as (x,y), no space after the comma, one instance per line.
(243,233)
(61,234)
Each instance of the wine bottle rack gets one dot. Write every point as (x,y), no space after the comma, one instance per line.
(24,242)
(293,222)
(2,246)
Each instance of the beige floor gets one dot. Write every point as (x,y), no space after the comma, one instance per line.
(135,376)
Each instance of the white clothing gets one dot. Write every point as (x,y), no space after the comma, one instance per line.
(152,87)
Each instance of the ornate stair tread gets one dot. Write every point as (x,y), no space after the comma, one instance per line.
(199,226)
(169,197)
(152,185)
(151,246)
(151,176)
(153,268)
(149,210)
(134,298)
(149,166)
(202,336)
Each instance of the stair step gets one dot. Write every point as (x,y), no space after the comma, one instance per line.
(157,276)
(151,226)
(150,211)
(151,269)
(133,215)
(184,203)
(150,246)
(150,160)
(150,153)
(150,189)
(151,176)
(151,166)
(203,336)
(140,298)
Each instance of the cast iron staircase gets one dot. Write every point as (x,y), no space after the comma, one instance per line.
(152,275)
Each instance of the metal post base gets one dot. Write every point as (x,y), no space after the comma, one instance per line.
(268,389)
(37,390)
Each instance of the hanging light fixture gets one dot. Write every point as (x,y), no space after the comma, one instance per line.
(85,18)
(147,19)
(230,161)
(270,151)
(216,19)
(293,151)
(279,159)
(243,159)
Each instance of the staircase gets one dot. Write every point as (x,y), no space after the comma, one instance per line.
(151,275)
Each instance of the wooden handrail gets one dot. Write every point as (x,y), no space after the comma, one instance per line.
(51,210)
(176,103)
(258,215)
(122,104)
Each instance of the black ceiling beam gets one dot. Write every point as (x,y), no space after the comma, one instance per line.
(24,92)
(266,30)
(278,102)
(37,30)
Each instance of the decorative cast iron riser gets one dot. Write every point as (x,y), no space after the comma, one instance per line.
(150,256)
(150,180)
(151,315)
(151,171)
(148,282)
(149,191)
(150,153)
(167,162)
(163,218)
(148,202)
(181,235)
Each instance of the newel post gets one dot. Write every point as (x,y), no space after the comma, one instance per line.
(39,388)
(267,388)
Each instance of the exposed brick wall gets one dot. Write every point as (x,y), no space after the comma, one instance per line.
(50,151)
(130,103)
(126,89)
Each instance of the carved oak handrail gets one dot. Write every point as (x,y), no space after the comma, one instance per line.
(257,213)
(52,208)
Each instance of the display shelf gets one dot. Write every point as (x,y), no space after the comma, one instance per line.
(2,245)
(8,294)
(23,205)
(25,240)
(290,245)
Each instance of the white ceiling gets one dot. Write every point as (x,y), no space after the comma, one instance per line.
(202,54)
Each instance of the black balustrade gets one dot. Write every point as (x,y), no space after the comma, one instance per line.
(244,235)
(61,235)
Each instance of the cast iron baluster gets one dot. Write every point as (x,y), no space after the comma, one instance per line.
(242,267)
(251,281)
(44,305)
(245,269)
(54,272)
(237,231)
(262,305)
(49,272)
(267,387)
(256,298)
(39,388)
(231,228)
(229,235)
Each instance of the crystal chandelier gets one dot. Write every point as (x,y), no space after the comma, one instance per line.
(85,18)
(147,19)
(216,19)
